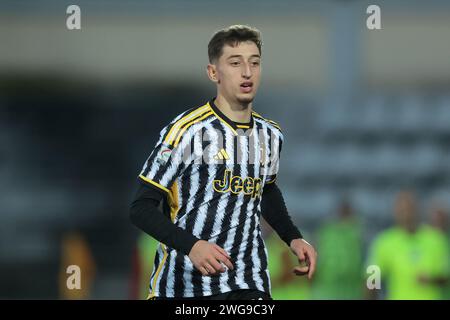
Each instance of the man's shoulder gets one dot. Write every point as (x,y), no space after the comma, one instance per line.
(273,125)
(190,114)
(389,236)
(182,123)
(432,235)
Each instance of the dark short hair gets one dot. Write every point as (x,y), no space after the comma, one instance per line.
(232,36)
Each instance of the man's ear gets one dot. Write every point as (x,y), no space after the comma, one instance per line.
(211,70)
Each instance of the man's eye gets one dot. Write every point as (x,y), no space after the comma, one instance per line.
(255,63)
(234,63)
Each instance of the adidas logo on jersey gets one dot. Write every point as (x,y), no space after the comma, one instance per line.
(222,155)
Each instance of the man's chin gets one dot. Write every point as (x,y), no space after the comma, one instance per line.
(245,99)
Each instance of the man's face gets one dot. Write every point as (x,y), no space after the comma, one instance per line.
(439,219)
(405,210)
(238,72)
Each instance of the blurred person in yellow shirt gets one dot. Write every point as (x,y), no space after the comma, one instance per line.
(412,257)
(340,245)
(76,252)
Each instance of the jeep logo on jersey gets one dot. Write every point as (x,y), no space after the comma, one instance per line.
(236,184)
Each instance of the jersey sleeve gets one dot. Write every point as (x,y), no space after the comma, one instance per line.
(166,162)
(275,153)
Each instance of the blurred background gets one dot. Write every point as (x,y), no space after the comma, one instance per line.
(366,116)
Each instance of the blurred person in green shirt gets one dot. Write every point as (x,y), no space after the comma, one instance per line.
(439,220)
(412,257)
(339,242)
(285,285)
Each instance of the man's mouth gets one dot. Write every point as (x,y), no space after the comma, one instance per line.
(246,86)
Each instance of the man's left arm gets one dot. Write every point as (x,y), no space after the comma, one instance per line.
(274,211)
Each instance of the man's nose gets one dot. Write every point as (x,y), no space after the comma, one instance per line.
(246,71)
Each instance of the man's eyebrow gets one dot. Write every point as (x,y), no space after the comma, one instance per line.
(240,56)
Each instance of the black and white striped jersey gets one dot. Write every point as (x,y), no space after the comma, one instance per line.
(213,171)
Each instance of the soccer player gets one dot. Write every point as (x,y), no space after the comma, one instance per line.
(214,170)
(339,273)
(412,257)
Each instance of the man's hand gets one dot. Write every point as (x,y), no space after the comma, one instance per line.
(430,280)
(208,258)
(307,257)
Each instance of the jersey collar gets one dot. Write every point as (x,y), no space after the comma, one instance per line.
(233,125)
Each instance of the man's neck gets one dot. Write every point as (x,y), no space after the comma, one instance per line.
(410,228)
(235,112)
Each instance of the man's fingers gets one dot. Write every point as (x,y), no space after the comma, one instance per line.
(203,270)
(312,257)
(211,271)
(301,271)
(301,256)
(222,251)
(216,265)
(225,261)
(224,257)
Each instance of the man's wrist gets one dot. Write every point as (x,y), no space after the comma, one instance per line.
(293,241)
(188,244)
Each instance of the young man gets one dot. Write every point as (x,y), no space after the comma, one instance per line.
(214,168)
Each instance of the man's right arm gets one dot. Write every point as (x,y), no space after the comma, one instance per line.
(145,214)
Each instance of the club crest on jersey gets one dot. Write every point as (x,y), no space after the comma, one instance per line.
(236,184)
(164,154)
